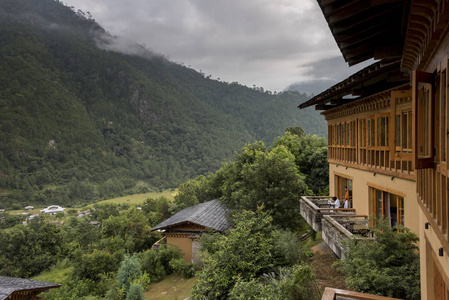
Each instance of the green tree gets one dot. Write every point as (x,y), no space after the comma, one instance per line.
(269,179)
(192,192)
(310,154)
(129,270)
(157,262)
(387,265)
(291,283)
(245,252)
(135,292)
(92,265)
(296,130)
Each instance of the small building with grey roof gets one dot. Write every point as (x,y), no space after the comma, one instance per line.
(185,227)
(12,288)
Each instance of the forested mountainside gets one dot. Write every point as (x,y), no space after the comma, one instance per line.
(79,122)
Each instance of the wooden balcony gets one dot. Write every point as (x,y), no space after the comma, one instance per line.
(313,208)
(337,228)
(337,294)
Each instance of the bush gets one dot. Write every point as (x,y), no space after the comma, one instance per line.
(293,283)
(157,262)
(386,266)
(129,269)
(244,252)
(287,247)
(186,269)
(135,292)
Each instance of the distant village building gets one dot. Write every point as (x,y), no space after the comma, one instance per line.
(186,227)
(85,213)
(2,211)
(33,217)
(53,209)
(28,208)
(21,289)
(95,223)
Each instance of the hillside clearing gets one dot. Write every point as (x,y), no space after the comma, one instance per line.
(172,287)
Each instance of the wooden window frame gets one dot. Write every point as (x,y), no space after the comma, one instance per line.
(386,200)
(422,80)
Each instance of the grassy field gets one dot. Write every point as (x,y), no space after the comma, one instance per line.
(139,198)
(130,199)
(172,287)
(55,275)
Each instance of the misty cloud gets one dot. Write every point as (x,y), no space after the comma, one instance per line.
(262,42)
(323,74)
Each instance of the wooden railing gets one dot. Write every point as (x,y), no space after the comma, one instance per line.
(332,294)
(400,164)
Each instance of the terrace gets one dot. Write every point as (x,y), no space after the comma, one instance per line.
(337,228)
(313,208)
(336,225)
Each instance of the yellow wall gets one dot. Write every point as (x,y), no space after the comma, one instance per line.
(183,243)
(429,247)
(362,180)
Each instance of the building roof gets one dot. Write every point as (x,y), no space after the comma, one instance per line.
(365,29)
(378,77)
(53,208)
(387,29)
(212,214)
(9,285)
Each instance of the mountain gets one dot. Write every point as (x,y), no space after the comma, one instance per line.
(78,121)
(312,87)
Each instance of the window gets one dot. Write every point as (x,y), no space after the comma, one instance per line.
(338,134)
(341,184)
(404,131)
(424,121)
(382,131)
(371,132)
(398,132)
(387,205)
(347,134)
(363,133)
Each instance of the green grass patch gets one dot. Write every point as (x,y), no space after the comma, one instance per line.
(139,198)
(56,274)
(172,287)
(309,242)
(130,199)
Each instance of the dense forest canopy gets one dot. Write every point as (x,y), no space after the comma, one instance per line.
(262,187)
(78,122)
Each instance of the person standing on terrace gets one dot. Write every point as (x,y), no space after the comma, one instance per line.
(346,204)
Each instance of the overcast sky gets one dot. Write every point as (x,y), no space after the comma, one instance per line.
(267,43)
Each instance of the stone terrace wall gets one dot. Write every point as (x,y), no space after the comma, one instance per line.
(310,213)
(334,234)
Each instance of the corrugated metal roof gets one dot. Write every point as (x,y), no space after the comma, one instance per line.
(212,214)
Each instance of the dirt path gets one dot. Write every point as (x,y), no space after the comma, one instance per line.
(321,262)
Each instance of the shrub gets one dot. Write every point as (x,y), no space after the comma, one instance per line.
(186,269)
(157,262)
(386,266)
(293,283)
(135,292)
(129,269)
